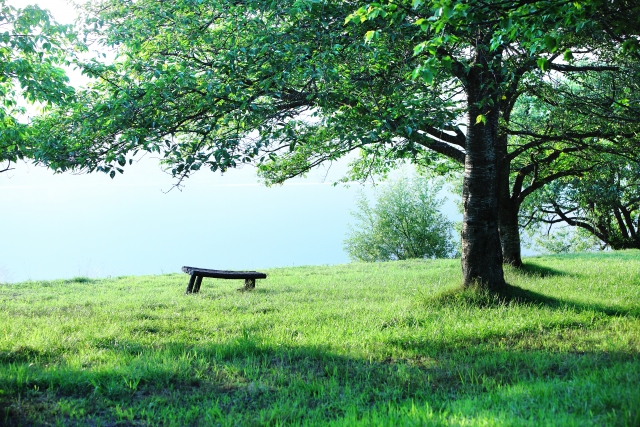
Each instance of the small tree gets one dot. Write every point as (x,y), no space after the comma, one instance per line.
(404,223)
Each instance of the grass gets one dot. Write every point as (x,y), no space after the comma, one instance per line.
(385,344)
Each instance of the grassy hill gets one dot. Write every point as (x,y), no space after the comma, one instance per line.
(359,344)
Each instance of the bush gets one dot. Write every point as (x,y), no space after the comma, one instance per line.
(404,223)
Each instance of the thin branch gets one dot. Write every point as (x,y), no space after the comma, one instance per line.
(537,184)
(581,68)
(458,139)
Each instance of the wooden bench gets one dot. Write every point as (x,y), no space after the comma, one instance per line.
(198,273)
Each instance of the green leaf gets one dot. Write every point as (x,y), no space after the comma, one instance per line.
(568,56)
(371,35)
(551,43)
(424,72)
(631,45)
(481,119)
(543,63)
(507,23)
(446,62)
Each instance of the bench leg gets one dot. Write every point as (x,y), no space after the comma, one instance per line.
(249,284)
(192,279)
(196,287)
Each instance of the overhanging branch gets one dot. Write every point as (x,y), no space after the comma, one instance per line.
(439,147)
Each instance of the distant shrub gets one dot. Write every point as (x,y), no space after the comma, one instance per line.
(404,223)
(79,279)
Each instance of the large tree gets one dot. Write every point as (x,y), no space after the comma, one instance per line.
(289,85)
(563,130)
(33,49)
(576,107)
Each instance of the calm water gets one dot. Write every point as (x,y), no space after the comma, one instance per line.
(62,226)
(58,226)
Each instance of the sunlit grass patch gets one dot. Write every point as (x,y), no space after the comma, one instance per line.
(359,344)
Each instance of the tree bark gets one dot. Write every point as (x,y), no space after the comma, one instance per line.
(508,208)
(510,233)
(481,249)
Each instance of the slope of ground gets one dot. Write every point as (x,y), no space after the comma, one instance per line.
(359,344)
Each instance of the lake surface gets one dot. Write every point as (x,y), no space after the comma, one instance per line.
(63,226)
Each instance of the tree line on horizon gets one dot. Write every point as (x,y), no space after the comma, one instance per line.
(535,103)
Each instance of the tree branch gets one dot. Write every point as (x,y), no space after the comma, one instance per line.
(458,139)
(629,221)
(574,68)
(7,167)
(574,223)
(439,147)
(550,178)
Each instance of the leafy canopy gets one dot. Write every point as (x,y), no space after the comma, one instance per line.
(288,85)
(211,84)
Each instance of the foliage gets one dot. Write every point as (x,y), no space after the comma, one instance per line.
(576,121)
(603,202)
(292,85)
(33,48)
(355,344)
(561,128)
(404,223)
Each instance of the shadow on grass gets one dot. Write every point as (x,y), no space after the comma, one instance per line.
(535,270)
(514,295)
(244,382)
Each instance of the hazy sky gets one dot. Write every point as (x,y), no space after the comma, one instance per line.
(62,10)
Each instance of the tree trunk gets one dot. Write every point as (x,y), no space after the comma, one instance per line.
(508,209)
(481,249)
(510,233)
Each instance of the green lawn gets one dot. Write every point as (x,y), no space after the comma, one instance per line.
(356,344)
